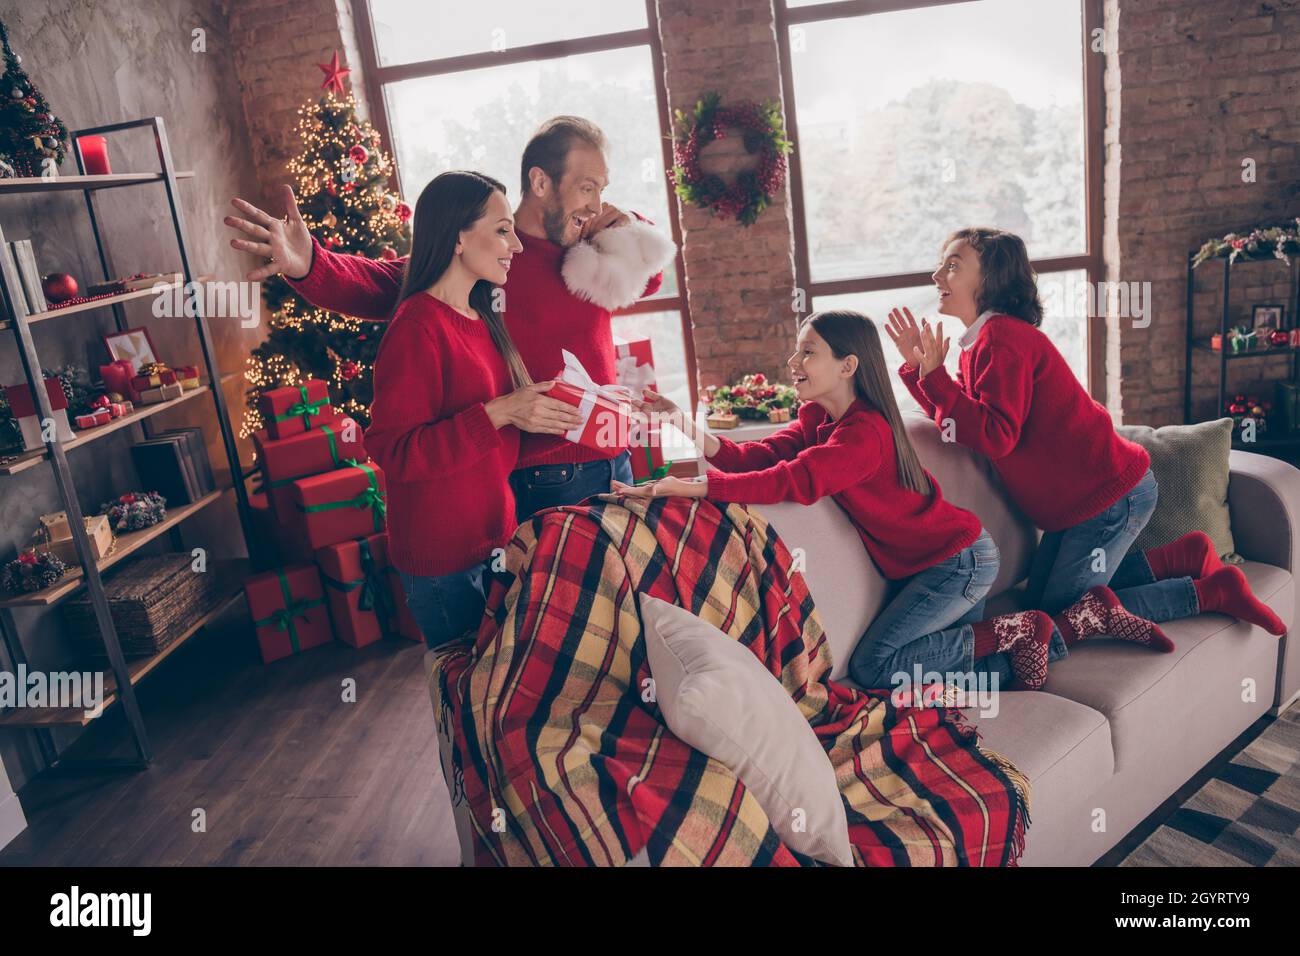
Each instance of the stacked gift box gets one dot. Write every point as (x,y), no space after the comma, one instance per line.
(325,511)
(636,371)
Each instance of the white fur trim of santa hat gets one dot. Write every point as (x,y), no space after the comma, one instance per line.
(612,268)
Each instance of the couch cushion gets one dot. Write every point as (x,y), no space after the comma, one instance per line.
(1146,695)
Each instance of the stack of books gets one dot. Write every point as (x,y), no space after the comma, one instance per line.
(175,464)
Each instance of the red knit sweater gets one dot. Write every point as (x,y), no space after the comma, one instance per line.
(1017,402)
(446,464)
(542,315)
(851,459)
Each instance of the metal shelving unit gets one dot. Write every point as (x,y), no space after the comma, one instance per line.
(124,676)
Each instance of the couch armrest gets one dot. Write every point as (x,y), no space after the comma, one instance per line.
(1264,501)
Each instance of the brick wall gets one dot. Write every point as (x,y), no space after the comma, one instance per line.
(739,281)
(1194,88)
(276,44)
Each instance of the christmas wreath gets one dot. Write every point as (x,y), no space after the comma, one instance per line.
(1263,242)
(134,510)
(764,133)
(32,571)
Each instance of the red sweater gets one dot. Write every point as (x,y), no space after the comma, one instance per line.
(446,464)
(541,314)
(851,459)
(1017,402)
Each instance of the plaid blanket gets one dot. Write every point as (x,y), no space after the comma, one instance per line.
(564,762)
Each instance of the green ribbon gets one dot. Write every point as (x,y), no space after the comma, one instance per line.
(334,456)
(374,596)
(304,408)
(372,497)
(282,620)
(654,474)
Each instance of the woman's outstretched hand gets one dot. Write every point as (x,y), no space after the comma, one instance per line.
(285,242)
(932,350)
(905,333)
(669,487)
(530,410)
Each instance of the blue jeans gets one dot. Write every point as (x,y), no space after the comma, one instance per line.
(447,605)
(928,623)
(1095,552)
(548,486)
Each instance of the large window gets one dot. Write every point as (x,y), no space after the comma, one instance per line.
(464,86)
(912,119)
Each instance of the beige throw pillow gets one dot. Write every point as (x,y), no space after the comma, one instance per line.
(1190,463)
(716,696)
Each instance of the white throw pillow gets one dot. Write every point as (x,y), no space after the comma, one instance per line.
(716,696)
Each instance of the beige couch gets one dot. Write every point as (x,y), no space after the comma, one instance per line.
(1117,728)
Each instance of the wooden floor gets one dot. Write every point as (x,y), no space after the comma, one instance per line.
(287,773)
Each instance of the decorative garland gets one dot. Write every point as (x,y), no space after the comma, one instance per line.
(754,397)
(134,510)
(1262,242)
(764,133)
(32,571)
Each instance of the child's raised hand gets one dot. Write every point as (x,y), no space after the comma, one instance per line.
(904,332)
(932,350)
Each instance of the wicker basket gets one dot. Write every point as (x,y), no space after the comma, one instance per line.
(152,601)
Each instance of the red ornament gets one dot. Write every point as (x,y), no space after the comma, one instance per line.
(388,253)
(333,74)
(359,154)
(403,211)
(28,557)
(331,188)
(101,401)
(760,378)
(1278,337)
(348,187)
(348,370)
(59,287)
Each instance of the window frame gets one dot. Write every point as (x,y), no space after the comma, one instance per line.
(1089,260)
(377,77)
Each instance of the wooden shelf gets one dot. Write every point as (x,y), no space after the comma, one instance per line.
(231,590)
(95,303)
(127,544)
(39,184)
(32,458)
(1204,346)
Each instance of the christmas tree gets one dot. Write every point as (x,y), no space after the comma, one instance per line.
(29,132)
(341,180)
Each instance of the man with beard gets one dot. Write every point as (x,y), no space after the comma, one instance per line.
(581,259)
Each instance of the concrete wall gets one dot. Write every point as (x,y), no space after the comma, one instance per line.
(101,62)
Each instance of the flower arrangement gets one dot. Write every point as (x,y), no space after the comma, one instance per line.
(763,130)
(1265,242)
(32,571)
(754,397)
(134,510)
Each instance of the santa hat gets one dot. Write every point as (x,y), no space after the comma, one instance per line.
(612,268)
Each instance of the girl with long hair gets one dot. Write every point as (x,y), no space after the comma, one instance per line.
(451,396)
(1091,491)
(849,443)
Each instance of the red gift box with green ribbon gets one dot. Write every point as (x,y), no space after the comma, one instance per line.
(289,611)
(348,502)
(364,592)
(325,447)
(295,408)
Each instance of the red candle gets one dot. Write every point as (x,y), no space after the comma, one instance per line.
(94,154)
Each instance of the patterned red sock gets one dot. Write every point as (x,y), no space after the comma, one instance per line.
(1023,637)
(1191,556)
(1100,612)
(1228,592)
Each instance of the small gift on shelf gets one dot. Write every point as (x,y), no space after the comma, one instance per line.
(23,407)
(163,393)
(325,447)
(295,408)
(101,417)
(365,595)
(55,537)
(289,612)
(117,377)
(151,375)
(341,504)
(187,376)
(32,571)
(778,414)
(722,420)
(605,409)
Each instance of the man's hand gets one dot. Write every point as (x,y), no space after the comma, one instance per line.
(286,242)
(609,215)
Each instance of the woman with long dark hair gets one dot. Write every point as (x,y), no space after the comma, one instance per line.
(850,443)
(451,395)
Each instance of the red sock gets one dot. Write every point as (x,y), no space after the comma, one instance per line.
(1228,592)
(1099,611)
(1191,556)
(1023,637)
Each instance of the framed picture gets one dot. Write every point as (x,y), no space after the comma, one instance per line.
(1269,315)
(136,346)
